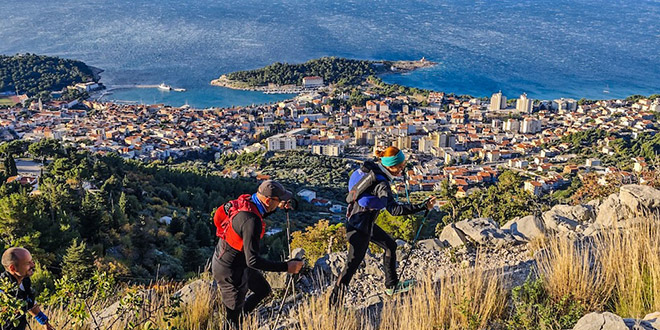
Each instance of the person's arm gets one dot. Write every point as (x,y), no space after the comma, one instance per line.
(250,230)
(372,202)
(41,318)
(384,193)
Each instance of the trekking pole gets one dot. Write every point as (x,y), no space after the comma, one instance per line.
(290,277)
(288,241)
(290,283)
(412,247)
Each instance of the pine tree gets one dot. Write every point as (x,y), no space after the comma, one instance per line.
(78,262)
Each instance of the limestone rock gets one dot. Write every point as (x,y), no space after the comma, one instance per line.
(401,243)
(298,253)
(639,198)
(593,229)
(330,265)
(601,321)
(189,292)
(595,205)
(485,231)
(526,228)
(452,236)
(653,319)
(567,217)
(632,200)
(432,244)
(611,211)
(110,314)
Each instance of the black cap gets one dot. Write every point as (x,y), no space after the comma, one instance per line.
(270,188)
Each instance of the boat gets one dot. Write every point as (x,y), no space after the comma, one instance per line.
(607,89)
(164,87)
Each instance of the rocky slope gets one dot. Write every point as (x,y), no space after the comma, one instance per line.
(507,251)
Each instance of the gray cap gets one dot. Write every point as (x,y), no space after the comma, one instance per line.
(270,188)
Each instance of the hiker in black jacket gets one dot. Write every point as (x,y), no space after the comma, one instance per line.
(369,193)
(19,266)
(236,261)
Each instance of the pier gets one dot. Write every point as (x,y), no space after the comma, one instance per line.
(161,87)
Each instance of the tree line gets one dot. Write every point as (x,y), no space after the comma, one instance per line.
(119,208)
(333,70)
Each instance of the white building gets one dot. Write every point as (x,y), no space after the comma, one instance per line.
(564,105)
(312,82)
(497,101)
(425,145)
(496,124)
(332,150)
(307,195)
(281,143)
(524,104)
(530,126)
(442,140)
(534,187)
(512,125)
(87,87)
(403,142)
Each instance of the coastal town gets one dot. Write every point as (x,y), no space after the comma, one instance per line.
(467,141)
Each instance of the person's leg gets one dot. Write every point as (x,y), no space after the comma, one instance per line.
(260,289)
(358,244)
(233,287)
(233,319)
(385,241)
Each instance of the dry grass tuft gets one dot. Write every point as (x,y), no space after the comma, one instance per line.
(469,299)
(618,270)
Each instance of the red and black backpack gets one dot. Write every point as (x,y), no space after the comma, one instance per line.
(225,214)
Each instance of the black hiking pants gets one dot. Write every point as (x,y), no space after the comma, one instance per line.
(358,244)
(234,285)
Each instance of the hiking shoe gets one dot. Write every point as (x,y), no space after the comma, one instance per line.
(401,287)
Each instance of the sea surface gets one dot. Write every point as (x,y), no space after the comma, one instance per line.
(546,48)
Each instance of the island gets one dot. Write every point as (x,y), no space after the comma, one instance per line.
(293,78)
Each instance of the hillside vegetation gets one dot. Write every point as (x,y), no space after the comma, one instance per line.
(333,70)
(38,75)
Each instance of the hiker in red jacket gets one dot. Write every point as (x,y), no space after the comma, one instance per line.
(236,262)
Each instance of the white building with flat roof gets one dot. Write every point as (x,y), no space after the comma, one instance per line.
(530,126)
(312,82)
(497,101)
(512,125)
(563,105)
(332,150)
(281,143)
(523,104)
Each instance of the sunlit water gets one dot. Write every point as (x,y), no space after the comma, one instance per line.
(548,49)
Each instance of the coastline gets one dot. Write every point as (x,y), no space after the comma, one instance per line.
(96,72)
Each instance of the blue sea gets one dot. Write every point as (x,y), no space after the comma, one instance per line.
(546,48)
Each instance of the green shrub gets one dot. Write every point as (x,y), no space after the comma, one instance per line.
(534,309)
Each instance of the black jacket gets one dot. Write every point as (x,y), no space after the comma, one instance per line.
(26,294)
(362,213)
(248,226)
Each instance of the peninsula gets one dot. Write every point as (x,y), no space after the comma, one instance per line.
(285,77)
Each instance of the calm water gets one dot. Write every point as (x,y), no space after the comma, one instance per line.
(548,49)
